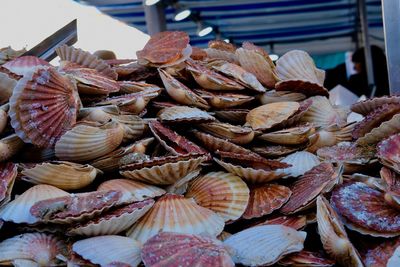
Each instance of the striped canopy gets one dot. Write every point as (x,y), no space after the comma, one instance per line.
(318,26)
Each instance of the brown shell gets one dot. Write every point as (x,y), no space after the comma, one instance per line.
(8,173)
(274,151)
(383,131)
(198,53)
(234,116)
(300,86)
(391,181)
(388,151)
(222,45)
(235,134)
(367,106)
(224,100)
(308,187)
(265,199)
(364,208)
(291,136)
(279,96)
(379,255)
(297,222)
(307,258)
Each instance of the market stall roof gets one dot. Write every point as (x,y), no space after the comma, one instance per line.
(321,26)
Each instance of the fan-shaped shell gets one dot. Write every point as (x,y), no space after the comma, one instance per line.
(367,106)
(218,49)
(7,85)
(113,222)
(279,96)
(18,210)
(321,113)
(184,114)
(172,249)
(235,116)
(224,100)
(265,199)
(320,179)
(105,250)
(85,59)
(8,173)
(187,218)
(381,132)
(307,258)
(264,245)
(44,105)
(365,210)
(380,255)
(133,125)
(235,134)
(224,193)
(296,222)
(87,141)
(304,87)
(269,115)
(24,64)
(334,237)
(64,175)
(329,136)
(132,191)
(291,136)
(162,171)
(42,249)
(388,152)
(301,161)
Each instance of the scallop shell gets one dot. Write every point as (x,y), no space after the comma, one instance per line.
(265,199)
(369,105)
(165,48)
(320,179)
(98,114)
(394,260)
(24,64)
(187,218)
(235,116)
(274,151)
(306,258)
(133,125)
(301,86)
(224,100)
(88,141)
(380,255)
(198,53)
(218,49)
(61,174)
(169,249)
(44,105)
(296,222)
(180,92)
(235,134)
(162,171)
(184,114)
(7,85)
(364,210)
(279,96)
(291,136)
(249,247)
(321,113)
(132,191)
(180,187)
(387,152)
(8,173)
(18,210)
(258,63)
(224,193)
(85,59)
(42,249)
(105,250)
(113,222)
(266,116)
(330,136)
(301,161)
(334,237)
(381,132)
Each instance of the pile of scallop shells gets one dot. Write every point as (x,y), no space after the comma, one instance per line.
(192,157)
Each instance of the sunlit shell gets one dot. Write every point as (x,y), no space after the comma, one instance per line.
(265,199)
(369,105)
(180,92)
(235,116)
(43,106)
(85,59)
(266,116)
(320,179)
(165,48)
(291,136)
(381,132)
(87,141)
(187,218)
(330,136)
(365,210)
(104,250)
(132,191)
(301,161)
(322,113)
(296,222)
(388,152)
(218,49)
(74,207)
(62,174)
(224,100)
(275,96)
(111,162)
(241,75)
(113,222)
(306,258)
(42,249)
(18,210)
(184,114)
(169,249)
(235,134)
(264,245)
(256,60)
(7,85)
(8,173)
(380,255)
(162,171)
(224,193)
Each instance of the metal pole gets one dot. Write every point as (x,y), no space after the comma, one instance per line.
(367,48)
(155,18)
(391,26)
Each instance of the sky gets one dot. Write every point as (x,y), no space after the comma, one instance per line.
(25,23)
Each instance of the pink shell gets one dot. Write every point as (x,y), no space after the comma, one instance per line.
(380,255)
(8,172)
(23,64)
(388,152)
(168,249)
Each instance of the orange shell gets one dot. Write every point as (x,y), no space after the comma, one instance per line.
(43,107)
(198,53)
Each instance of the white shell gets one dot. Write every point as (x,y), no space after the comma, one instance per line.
(301,161)
(322,113)
(394,261)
